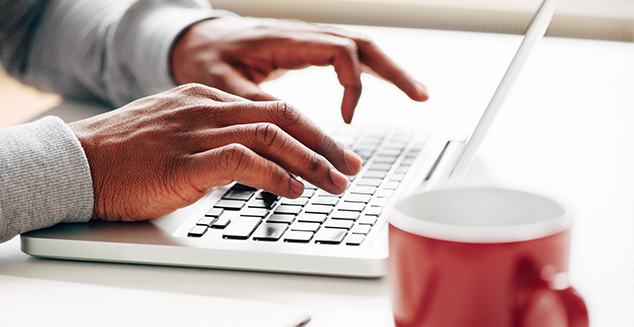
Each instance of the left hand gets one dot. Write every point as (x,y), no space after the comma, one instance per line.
(236,54)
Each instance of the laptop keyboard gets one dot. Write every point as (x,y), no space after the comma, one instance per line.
(246,213)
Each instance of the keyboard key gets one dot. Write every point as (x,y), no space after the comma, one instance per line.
(312,218)
(398,147)
(389,153)
(380,174)
(221,222)
(339,223)
(385,160)
(206,221)
(378,202)
(401,169)
(295,202)
(373,211)
(229,204)
(367,220)
(385,193)
(242,228)
(369,182)
(326,201)
(313,208)
(307,193)
(238,186)
(298,236)
(361,229)
(324,193)
(397,177)
(269,232)
(267,196)
(262,203)
(407,162)
(197,231)
(364,152)
(305,227)
(362,198)
(214,212)
(286,209)
(309,186)
(391,185)
(279,218)
(355,239)
(238,194)
(411,154)
(254,212)
(348,215)
(351,206)
(380,166)
(363,190)
(330,235)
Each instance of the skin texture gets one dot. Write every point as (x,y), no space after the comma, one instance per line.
(166,151)
(236,54)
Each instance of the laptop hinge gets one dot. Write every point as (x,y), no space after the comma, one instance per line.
(441,170)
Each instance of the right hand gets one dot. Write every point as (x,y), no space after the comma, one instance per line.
(166,151)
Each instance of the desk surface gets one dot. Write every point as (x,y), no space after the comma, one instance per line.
(566,130)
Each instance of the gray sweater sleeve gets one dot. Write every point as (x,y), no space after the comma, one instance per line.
(114,50)
(44,177)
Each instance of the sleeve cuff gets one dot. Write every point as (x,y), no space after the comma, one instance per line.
(44,177)
(157,29)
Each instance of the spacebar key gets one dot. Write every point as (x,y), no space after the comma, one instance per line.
(242,228)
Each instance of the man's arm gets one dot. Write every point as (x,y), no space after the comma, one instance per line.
(115,50)
(44,177)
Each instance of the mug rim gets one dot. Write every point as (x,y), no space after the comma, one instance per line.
(479,234)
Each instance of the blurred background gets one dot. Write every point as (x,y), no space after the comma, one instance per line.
(590,19)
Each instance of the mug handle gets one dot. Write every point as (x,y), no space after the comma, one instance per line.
(575,307)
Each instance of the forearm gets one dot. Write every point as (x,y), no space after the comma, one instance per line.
(44,178)
(115,51)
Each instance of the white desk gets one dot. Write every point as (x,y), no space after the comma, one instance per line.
(567,130)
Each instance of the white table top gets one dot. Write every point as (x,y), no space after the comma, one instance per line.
(566,131)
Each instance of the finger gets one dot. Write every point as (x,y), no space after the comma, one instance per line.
(378,62)
(296,124)
(271,142)
(319,49)
(235,162)
(234,82)
(381,64)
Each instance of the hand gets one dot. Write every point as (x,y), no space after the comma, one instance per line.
(235,54)
(166,151)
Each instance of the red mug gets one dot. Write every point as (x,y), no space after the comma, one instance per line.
(481,257)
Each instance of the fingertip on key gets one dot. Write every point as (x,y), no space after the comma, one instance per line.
(353,160)
(338,179)
(297,187)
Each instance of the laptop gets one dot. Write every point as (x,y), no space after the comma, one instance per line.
(242,228)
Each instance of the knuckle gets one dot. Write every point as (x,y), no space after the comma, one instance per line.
(348,47)
(194,89)
(328,144)
(364,41)
(315,163)
(285,113)
(233,157)
(266,134)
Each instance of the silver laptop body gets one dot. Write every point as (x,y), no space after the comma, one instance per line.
(317,234)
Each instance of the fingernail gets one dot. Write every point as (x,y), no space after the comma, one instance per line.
(352,159)
(338,179)
(297,187)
